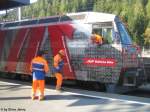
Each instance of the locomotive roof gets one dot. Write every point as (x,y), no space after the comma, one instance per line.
(91,17)
(85,17)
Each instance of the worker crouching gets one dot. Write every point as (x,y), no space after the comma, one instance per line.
(97,39)
(58,67)
(39,68)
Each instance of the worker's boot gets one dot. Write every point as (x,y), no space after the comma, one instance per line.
(59,89)
(33,97)
(41,97)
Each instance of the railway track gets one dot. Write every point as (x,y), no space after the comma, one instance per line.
(139,93)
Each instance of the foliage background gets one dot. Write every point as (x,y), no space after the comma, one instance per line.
(134,13)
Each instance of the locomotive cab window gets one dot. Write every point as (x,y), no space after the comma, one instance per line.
(79,34)
(105,30)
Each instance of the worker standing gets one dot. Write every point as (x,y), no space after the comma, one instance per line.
(39,68)
(58,67)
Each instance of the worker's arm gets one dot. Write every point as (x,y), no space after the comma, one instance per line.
(57,59)
(46,67)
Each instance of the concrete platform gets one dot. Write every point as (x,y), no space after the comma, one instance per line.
(15,97)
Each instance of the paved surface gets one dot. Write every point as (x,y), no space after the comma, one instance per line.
(15,97)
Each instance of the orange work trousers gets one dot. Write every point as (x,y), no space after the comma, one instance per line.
(40,85)
(59,80)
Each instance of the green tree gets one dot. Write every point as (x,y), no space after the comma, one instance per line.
(137,22)
(147,36)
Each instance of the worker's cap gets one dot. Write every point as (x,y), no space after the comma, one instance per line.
(40,53)
(62,52)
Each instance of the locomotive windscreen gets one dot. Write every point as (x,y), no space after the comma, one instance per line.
(125,37)
(105,29)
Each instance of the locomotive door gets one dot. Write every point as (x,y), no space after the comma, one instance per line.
(77,47)
(58,34)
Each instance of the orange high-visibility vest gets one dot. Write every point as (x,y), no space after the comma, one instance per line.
(38,68)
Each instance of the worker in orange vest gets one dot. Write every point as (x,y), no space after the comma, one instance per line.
(39,68)
(58,66)
(97,39)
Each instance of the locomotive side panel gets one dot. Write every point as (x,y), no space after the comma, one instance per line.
(8,40)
